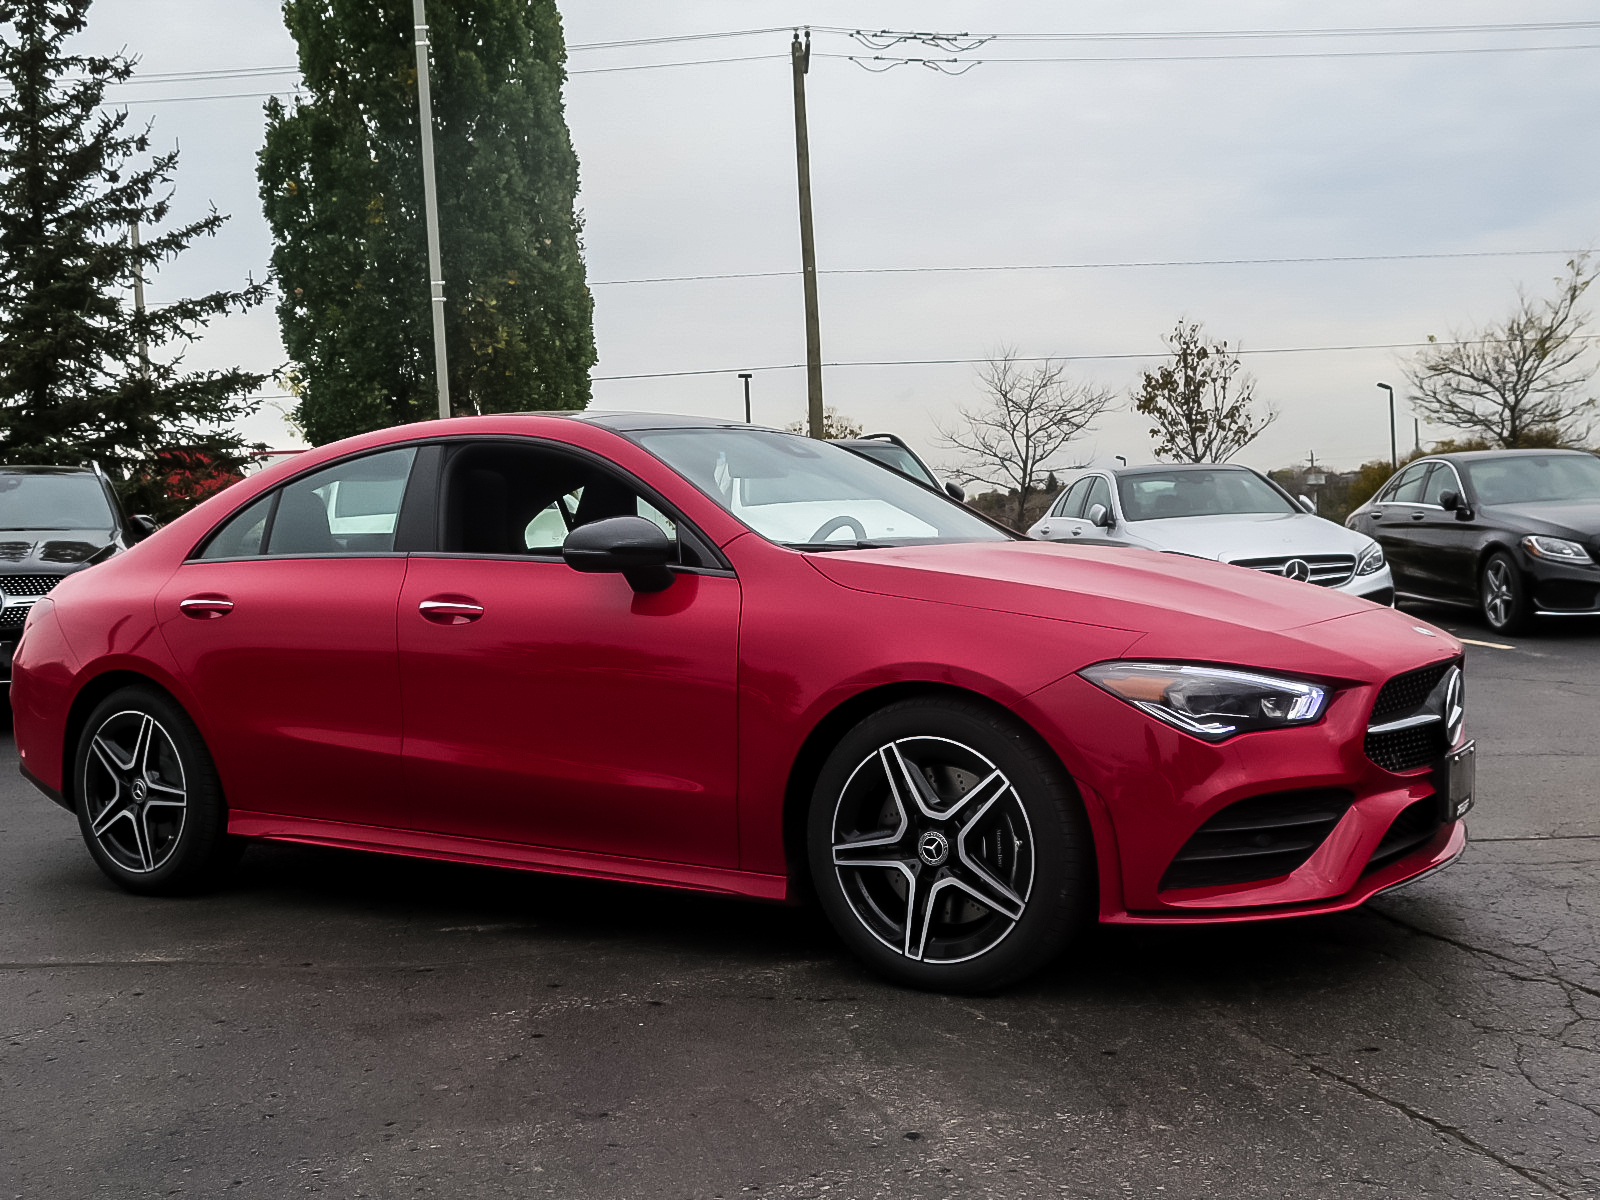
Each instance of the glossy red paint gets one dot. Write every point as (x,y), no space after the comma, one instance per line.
(578,727)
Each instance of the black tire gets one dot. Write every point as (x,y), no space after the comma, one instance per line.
(1503,594)
(992,806)
(149,802)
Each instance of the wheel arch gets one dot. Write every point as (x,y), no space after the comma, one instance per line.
(89,695)
(838,721)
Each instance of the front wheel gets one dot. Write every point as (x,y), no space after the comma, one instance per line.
(148,798)
(1503,595)
(948,847)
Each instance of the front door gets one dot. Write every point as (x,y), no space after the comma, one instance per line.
(552,708)
(283,626)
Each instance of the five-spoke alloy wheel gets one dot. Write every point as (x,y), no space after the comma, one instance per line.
(948,847)
(147,796)
(1503,595)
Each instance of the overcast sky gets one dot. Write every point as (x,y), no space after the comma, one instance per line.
(1316,147)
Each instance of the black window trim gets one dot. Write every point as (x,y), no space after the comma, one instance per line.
(276,494)
(703,545)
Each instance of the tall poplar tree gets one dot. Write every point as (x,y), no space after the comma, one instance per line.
(341,184)
(82,375)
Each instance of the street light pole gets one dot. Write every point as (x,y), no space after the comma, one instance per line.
(800,58)
(430,207)
(746,376)
(1394,449)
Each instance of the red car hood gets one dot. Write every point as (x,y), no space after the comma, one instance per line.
(1187,608)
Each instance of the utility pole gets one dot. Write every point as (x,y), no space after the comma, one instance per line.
(1416,434)
(430,205)
(746,376)
(800,58)
(1394,450)
(138,305)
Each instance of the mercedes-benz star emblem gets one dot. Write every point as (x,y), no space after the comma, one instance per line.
(1297,568)
(933,847)
(140,790)
(1454,710)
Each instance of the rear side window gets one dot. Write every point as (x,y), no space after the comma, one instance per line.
(351,507)
(1406,487)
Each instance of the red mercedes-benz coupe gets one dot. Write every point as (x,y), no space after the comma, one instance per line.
(709,656)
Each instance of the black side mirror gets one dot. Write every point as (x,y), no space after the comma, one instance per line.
(637,548)
(1452,502)
(142,526)
(956,492)
(1099,516)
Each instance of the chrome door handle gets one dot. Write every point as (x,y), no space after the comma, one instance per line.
(450,612)
(205,608)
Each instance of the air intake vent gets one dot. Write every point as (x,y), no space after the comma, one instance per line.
(1405,693)
(1259,838)
(1416,824)
(28,585)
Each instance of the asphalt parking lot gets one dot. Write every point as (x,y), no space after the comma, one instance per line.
(351,1026)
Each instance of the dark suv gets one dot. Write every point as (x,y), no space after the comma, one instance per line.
(53,521)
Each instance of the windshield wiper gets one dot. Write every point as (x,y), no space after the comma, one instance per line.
(824,546)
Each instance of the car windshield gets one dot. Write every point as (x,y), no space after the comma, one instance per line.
(1521,478)
(1156,495)
(53,502)
(812,495)
(894,456)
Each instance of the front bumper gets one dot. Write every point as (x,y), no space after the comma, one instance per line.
(1377,587)
(1561,589)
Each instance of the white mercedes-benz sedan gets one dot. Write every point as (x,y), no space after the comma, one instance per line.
(1218,511)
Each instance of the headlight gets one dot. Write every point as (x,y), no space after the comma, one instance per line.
(1556,549)
(1212,703)
(1371,560)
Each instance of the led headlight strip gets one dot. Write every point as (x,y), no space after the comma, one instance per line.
(1211,703)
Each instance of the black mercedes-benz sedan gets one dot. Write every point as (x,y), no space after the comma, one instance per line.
(1512,533)
(53,521)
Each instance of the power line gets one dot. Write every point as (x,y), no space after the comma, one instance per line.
(699,62)
(1097,266)
(888,61)
(946,362)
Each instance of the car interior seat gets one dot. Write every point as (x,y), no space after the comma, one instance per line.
(301,525)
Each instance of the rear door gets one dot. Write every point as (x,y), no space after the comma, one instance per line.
(283,626)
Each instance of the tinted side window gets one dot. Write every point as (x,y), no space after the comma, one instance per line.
(1442,480)
(1071,505)
(1099,493)
(502,498)
(348,508)
(1408,488)
(241,536)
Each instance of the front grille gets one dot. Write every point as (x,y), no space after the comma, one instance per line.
(1403,696)
(28,585)
(1326,570)
(1263,837)
(13,615)
(1404,693)
(15,551)
(1416,824)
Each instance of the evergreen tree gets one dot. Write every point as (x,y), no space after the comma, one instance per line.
(82,375)
(341,184)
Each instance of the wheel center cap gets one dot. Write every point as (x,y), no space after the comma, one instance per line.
(933,847)
(140,790)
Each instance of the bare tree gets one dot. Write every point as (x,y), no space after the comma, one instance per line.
(1029,415)
(1201,402)
(1518,383)
(834,425)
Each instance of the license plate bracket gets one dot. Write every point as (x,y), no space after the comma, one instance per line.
(1454,781)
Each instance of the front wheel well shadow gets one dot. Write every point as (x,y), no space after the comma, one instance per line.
(96,690)
(825,736)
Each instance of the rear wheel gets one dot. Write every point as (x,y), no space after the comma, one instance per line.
(148,799)
(948,847)
(1503,595)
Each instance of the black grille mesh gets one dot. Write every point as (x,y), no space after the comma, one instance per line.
(1406,692)
(28,585)
(1259,838)
(1402,696)
(13,617)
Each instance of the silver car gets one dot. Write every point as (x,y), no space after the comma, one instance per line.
(1218,511)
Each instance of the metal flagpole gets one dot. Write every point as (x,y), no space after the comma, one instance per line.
(430,204)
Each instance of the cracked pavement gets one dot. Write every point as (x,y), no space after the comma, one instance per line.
(332,1024)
